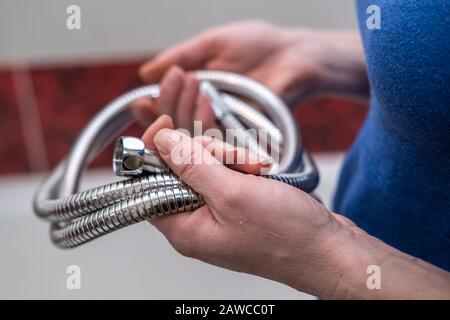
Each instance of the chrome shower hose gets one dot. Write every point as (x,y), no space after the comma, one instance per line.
(78,217)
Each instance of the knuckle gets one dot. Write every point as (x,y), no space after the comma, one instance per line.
(188,159)
(217,65)
(186,171)
(233,195)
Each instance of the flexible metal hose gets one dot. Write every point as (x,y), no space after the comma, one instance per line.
(80,217)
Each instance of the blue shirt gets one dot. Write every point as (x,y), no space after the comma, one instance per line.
(395,183)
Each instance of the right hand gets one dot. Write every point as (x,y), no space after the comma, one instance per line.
(248,223)
(294,63)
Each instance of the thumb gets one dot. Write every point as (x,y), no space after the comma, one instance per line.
(194,164)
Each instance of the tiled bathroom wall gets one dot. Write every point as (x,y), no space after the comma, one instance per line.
(44,108)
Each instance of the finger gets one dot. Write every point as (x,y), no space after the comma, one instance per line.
(203,112)
(190,55)
(144,111)
(165,224)
(282,84)
(194,164)
(235,158)
(277,83)
(186,103)
(170,90)
(162,122)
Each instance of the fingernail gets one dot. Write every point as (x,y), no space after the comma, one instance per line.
(273,169)
(174,74)
(266,163)
(166,139)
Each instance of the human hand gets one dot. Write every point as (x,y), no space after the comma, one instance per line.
(248,223)
(294,63)
(264,227)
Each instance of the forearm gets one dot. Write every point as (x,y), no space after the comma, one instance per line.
(336,62)
(344,67)
(401,276)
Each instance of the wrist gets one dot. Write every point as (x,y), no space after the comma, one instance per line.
(328,62)
(322,262)
(304,46)
(354,255)
(337,265)
(343,65)
(367,268)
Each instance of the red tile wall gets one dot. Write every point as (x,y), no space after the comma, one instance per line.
(13,156)
(66,98)
(330,124)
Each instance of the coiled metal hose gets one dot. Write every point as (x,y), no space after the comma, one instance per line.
(78,217)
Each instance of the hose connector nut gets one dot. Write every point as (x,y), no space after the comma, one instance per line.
(128,159)
(131,158)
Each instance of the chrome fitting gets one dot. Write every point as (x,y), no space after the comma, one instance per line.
(131,158)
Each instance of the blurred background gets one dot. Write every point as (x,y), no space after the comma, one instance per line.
(53,80)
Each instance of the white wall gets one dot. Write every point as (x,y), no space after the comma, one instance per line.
(36,31)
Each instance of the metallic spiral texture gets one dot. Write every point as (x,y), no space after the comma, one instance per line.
(79,217)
